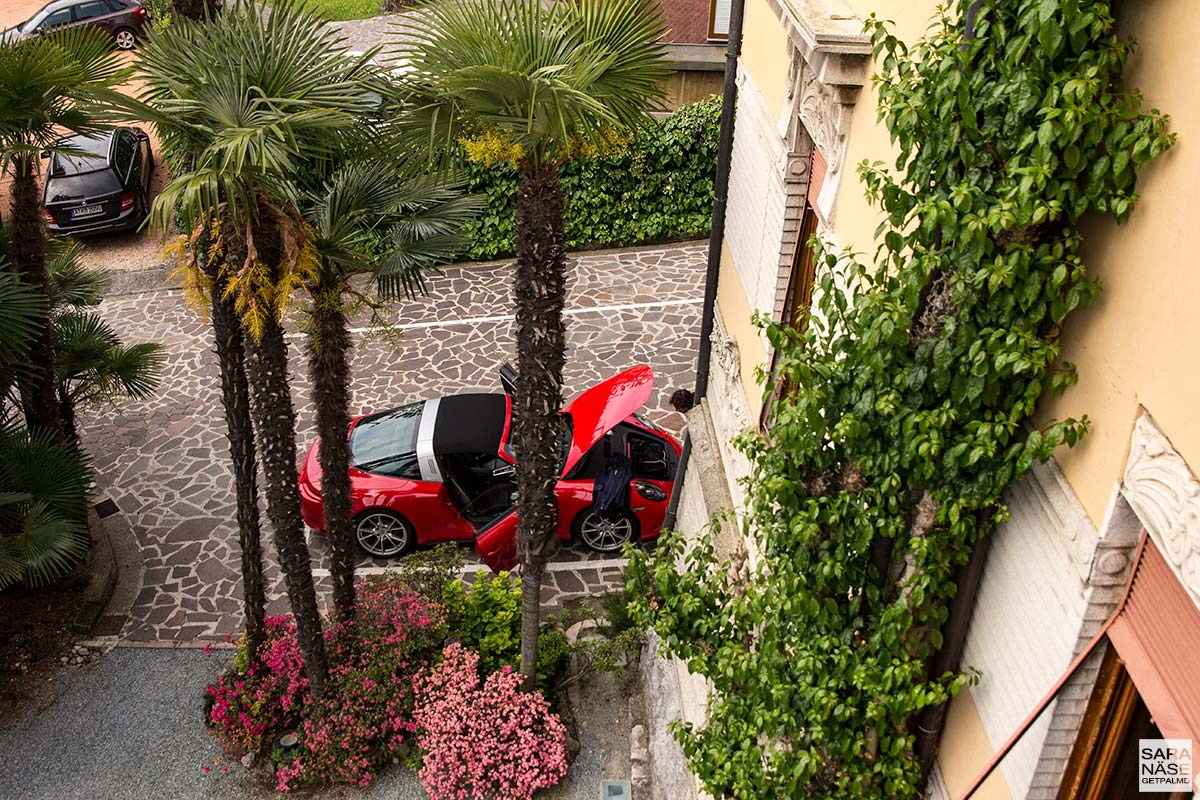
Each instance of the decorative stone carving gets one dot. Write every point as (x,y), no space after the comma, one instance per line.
(825,118)
(1166,496)
(732,411)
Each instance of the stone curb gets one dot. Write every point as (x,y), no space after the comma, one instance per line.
(114,571)
(101,571)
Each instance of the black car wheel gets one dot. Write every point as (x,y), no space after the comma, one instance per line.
(125,38)
(605,533)
(383,534)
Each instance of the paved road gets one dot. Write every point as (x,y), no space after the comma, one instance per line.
(163,461)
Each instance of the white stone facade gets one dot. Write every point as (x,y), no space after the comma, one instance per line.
(1030,609)
(754,221)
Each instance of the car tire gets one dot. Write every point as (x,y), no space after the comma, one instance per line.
(125,38)
(383,534)
(608,533)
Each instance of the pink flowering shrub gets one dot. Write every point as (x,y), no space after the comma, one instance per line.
(365,715)
(485,741)
(249,705)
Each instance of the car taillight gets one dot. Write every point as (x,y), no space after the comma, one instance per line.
(48,216)
(141,11)
(127,201)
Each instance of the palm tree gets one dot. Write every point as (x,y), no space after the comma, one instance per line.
(92,366)
(543,79)
(249,104)
(44,482)
(235,400)
(368,219)
(62,82)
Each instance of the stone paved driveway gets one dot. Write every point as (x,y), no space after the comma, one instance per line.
(163,461)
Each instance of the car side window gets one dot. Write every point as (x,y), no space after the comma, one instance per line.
(54,20)
(114,6)
(96,8)
(123,154)
(404,466)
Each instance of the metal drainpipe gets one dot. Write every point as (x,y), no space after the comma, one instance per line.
(716,237)
(954,635)
(720,196)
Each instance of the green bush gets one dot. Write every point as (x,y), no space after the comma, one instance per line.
(486,618)
(658,186)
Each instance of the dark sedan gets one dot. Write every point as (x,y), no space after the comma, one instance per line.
(124,20)
(99,183)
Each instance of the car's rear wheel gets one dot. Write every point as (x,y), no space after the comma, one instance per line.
(125,38)
(605,533)
(383,534)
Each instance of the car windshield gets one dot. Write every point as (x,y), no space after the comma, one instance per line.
(77,187)
(88,154)
(387,441)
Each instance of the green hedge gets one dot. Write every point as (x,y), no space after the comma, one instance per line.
(657,187)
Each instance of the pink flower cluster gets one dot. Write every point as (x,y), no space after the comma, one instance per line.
(365,717)
(484,740)
(249,706)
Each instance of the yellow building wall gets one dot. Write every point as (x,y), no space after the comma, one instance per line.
(765,53)
(736,316)
(1139,343)
(965,750)
(854,218)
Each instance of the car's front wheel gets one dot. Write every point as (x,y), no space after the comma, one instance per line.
(383,534)
(125,38)
(606,533)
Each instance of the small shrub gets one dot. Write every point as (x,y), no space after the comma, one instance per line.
(425,572)
(486,617)
(364,719)
(250,706)
(485,739)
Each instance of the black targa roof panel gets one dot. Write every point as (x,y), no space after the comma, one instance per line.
(470,423)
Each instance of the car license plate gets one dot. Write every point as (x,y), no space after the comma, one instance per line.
(86,211)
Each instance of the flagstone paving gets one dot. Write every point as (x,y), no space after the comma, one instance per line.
(163,461)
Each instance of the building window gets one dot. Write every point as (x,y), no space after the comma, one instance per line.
(1104,762)
(718,19)
(797,300)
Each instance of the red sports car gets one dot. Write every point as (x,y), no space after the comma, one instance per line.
(442,470)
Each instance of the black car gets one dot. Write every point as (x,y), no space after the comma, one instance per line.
(124,20)
(101,183)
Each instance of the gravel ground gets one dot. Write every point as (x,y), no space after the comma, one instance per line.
(129,728)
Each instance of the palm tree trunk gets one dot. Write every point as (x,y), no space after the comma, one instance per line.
(329,373)
(539,292)
(275,424)
(28,233)
(235,398)
(66,416)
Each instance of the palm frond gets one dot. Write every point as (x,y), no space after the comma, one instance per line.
(547,74)
(45,546)
(54,472)
(71,283)
(20,309)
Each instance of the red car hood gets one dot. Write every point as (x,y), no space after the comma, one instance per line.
(601,408)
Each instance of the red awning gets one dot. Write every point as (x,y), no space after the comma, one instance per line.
(1155,629)
(1157,635)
